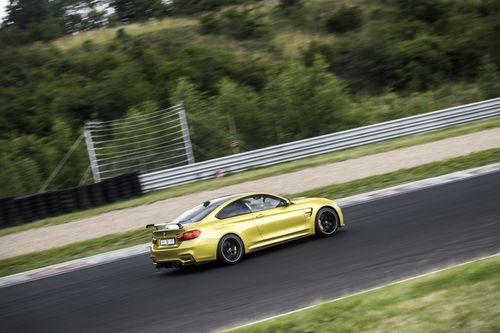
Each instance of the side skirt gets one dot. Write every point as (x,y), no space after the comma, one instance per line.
(279,240)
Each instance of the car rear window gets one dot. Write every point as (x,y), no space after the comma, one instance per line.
(199,212)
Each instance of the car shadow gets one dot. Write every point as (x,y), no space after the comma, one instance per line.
(292,244)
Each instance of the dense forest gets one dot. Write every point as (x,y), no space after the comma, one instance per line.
(260,72)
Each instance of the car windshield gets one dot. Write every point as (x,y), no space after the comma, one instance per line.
(199,212)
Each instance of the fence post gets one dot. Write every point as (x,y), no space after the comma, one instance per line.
(91,151)
(185,134)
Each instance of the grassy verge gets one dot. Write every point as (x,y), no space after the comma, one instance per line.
(461,299)
(104,35)
(261,173)
(116,241)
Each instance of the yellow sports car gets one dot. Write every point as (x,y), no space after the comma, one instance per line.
(226,228)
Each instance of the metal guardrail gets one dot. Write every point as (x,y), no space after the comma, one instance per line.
(322,144)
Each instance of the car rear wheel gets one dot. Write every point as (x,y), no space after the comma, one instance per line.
(230,250)
(327,222)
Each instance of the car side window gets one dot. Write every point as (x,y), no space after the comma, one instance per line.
(262,202)
(233,209)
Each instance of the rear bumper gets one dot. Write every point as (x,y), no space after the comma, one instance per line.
(171,264)
(164,262)
(186,253)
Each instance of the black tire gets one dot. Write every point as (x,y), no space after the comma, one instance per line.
(327,222)
(230,250)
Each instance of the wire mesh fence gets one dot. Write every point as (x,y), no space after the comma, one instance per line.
(143,142)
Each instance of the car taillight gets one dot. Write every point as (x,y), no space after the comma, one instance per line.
(153,240)
(189,235)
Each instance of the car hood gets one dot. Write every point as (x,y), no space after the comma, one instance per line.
(306,201)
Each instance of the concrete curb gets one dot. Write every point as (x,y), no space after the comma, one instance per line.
(72,265)
(107,257)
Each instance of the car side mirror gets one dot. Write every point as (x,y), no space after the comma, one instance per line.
(286,203)
(150,226)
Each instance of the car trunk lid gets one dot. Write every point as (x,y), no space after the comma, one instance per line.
(166,235)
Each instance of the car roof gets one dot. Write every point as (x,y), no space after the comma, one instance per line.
(238,195)
(246,194)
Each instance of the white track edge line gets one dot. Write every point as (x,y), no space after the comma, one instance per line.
(359,293)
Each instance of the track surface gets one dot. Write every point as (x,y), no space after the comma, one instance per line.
(385,240)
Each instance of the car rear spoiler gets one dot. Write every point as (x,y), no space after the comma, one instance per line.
(166,226)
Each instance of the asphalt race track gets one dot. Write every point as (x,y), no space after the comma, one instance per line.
(385,240)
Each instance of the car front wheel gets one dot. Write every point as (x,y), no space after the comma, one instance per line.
(327,222)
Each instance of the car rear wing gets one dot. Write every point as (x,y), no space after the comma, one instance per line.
(166,226)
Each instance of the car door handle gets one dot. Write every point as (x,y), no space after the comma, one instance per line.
(259,215)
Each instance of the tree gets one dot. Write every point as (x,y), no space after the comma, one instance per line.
(245,121)
(205,66)
(305,101)
(28,160)
(11,182)
(61,139)
(23,13)
(489,80)
(138,10)
(194,6)
(95,19)
(30,20)
(80,15)
(208,128)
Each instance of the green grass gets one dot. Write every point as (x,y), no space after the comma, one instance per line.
(260,173)
(104,35)
(292,43)
(460,299)
(134,237)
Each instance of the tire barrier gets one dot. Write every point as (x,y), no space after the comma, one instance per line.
(19,210)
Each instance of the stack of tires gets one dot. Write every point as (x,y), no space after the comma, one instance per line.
(38,206)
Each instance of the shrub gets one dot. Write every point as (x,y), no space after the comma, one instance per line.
(345,19)
(237,23)
(315,48)
(209,24)
(422,62)
(240,24)
(425,10)
(289,3)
